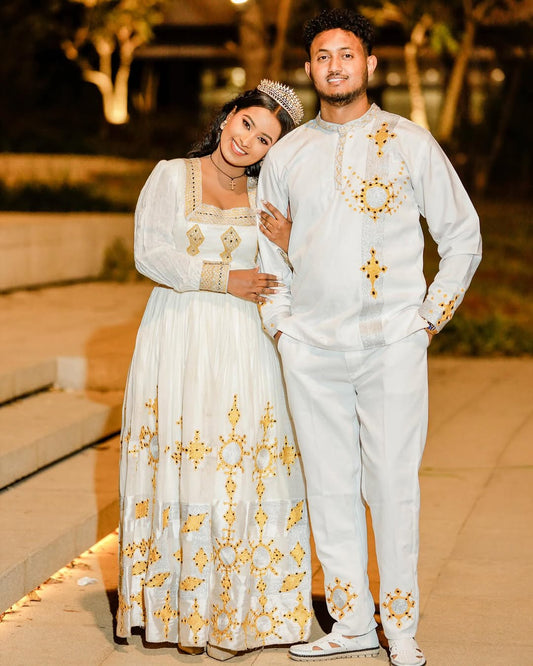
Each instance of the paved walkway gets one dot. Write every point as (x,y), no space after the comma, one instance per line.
(476,565)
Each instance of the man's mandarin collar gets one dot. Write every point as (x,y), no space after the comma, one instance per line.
(366,118)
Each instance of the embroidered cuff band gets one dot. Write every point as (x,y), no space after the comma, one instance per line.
(214,276)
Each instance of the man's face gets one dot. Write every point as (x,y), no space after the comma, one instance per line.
(339,67)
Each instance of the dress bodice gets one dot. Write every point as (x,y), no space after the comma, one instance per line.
(216,234)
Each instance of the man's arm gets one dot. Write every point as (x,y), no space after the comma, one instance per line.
(272,188)
(454,225)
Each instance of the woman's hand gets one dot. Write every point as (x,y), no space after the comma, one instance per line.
(275,226)
(252,285)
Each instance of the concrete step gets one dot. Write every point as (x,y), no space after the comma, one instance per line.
(18,378)
(43,428)
(48,519)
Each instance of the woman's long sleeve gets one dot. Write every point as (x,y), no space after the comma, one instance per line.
(156,218)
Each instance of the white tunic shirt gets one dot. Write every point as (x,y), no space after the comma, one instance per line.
(356,193)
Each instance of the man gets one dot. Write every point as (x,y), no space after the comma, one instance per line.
(353,323)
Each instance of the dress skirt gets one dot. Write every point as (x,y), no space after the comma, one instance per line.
(214,539)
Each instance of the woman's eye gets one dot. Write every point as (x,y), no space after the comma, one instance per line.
(263,141)
(246,123)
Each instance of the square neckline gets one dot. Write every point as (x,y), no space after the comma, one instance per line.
(251,187)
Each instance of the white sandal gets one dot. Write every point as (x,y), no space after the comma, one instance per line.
(336,646)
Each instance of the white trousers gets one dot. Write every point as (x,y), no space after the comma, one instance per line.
(361,423)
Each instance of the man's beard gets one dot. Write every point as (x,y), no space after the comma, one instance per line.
(343,99)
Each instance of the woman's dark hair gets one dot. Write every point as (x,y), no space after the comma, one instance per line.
(208,143)
(344,19)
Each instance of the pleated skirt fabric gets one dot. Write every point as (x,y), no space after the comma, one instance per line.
(214,537)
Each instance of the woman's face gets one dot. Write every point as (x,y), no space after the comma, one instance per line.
(248,135)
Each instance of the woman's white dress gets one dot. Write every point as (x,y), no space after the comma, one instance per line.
(214,538)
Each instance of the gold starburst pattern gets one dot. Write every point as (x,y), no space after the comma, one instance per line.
(373,270)
(263,624)
(381,137)
(300,614)
(195,621)
(288,455)
(340,599)
(166,614)
(196,449)
(223,622)
(232,450)
(374,197)
(399,606)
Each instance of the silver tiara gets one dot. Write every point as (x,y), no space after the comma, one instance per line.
(285,97)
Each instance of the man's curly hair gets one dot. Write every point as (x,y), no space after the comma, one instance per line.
(345,19)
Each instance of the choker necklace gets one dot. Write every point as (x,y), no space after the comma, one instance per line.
(225,174)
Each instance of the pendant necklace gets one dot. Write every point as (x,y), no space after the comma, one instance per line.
(232,180)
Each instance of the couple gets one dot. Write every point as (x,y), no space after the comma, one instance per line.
(214,548)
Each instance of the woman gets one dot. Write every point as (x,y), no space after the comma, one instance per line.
(214,546)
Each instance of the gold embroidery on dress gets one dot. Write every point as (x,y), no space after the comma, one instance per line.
(141,509)
(381,137)
(298,553)
(201,559)
(190,583)
(138,598)
(166,614)
(196,238)
(340,599)
(375,196)
(373,271)
(176,456)
(157,580)
(214,276)
(288,455)
(194,522)
(399,606)
(231,241)
(197,450)
(195,621)
(300,614)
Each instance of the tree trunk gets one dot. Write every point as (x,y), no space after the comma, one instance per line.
(414,83)
(455,84)
(416,96)
(252,43)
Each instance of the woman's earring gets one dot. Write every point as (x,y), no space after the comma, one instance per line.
(223,124)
